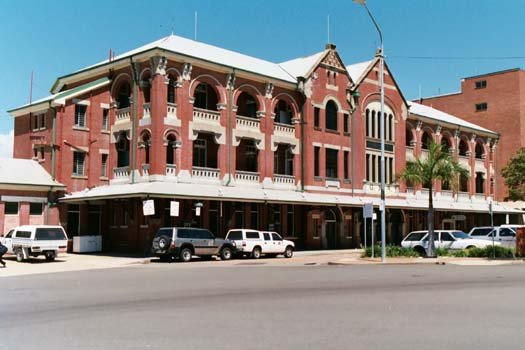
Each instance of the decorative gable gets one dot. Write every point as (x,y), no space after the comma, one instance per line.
(333,60)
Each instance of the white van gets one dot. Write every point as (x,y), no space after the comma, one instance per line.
(257,243)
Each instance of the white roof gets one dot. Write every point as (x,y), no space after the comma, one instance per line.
(432,113)
(24,172)
(358,69)
(299,67)
(213,54)
(252,194)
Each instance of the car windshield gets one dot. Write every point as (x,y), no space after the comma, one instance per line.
(481,231)
(50,234)
(460,235)
(415,236)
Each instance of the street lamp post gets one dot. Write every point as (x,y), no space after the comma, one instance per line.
(381,56)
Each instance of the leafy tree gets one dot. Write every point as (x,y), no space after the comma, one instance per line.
(438,164)
(514,174)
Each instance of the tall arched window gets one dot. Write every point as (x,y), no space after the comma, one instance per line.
(408,136)
(463,148)
(479,151)
(446,144)
(246,105)
(205,97)
(172,82)
(146,87)
(283,113)
(122,150)
(331,115)
(146,141)
(425,140)
(170,149)
(124,95)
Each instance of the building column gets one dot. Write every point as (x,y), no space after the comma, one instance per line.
(158,111)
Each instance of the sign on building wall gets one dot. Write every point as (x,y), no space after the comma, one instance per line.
(198,211)
(148,207)
(174,208)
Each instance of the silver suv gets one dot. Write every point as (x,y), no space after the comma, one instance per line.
(184,242)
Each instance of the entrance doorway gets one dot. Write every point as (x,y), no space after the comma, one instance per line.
(448,224)
(330,241)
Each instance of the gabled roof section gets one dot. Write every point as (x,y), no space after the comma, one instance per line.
(440,116)
(302,66)
(28,173)
(59,98)
(198,50)
(359,70)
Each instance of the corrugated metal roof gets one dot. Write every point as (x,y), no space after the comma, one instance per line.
(24,172)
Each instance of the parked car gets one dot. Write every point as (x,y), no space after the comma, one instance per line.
(480,231)
(35,240)
(184,242)
(505,235)
(448,239)
(256,243)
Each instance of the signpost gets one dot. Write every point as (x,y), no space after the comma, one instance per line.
(374,218)
(368,211)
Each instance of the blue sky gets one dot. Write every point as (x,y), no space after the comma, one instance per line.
(55,37)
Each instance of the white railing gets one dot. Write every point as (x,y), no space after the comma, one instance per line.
(247,122)
(246,176)
(284,179)
(284,129)
(463,196)
(424,153)
(410,190)
(479,196)
(121,173)
(123,114)
(145,169)
(206,115)
(172,110)
(464,160)
(410,153)
(208,173)
(447,194)
(425,192)
(171,169)
(147,110)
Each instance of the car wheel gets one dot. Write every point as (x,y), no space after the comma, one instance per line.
(164,242)
(50,256)
(256,253)
(421,251)
(185,255)
(226,253)
(19,255)
(470,247)
(288,253)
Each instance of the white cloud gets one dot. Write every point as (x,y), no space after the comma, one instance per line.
(6,144)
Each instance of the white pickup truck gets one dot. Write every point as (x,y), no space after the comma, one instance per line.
(34,240)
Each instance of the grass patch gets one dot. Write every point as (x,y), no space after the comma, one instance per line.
(392,251)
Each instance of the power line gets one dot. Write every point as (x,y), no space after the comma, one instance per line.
(437,58)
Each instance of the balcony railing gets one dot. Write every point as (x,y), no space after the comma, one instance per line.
(463,196)
(206,115)
(145,169)
(247,122)
(479,196)
(464,160)
(447,194)
(147,110)
(246,176)
(172,110)
(171,169)
(121,173)
(123,114)
(288,180)
(284,129)
(207,173)
(410,153)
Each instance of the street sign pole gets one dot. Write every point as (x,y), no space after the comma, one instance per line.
(493,233)
(372,239)
(365,233)
(368,212)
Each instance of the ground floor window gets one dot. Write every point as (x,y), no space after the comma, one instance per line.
(36,208)
(290,221)
(214,219)
(254,217)
(73,220)
(94,220)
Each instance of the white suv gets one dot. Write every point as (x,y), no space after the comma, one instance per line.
(34,240)
(257,243)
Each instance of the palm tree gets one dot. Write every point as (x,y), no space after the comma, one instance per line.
(437,164)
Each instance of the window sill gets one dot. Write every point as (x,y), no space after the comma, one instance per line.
(80,128)
(316,237)
(346,133)
(104,178)
(347,181)
(331,131)
(81,177)
(316,128)
(107,132)
(318,178)
(144,226)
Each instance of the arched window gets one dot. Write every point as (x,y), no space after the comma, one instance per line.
(446,144)
(463,148)
(124,95)
(247,156)
(390,127)
(205,97)
(463,183)
(479,151)
(283,113)
(367,115)
(146,87)
(170,149)
(425,140)
(408,137)
(122,150)
(331,115)
(373,124)
(146,141)
(172,82)
(246,105)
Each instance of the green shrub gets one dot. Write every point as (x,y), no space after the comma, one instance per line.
(499,252)
(391,251)
(442,252)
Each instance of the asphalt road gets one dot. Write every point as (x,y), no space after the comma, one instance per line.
(174,306)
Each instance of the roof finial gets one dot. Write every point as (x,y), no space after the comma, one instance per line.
(195,26)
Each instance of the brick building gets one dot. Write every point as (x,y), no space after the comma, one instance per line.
(495,101)
(239,142)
